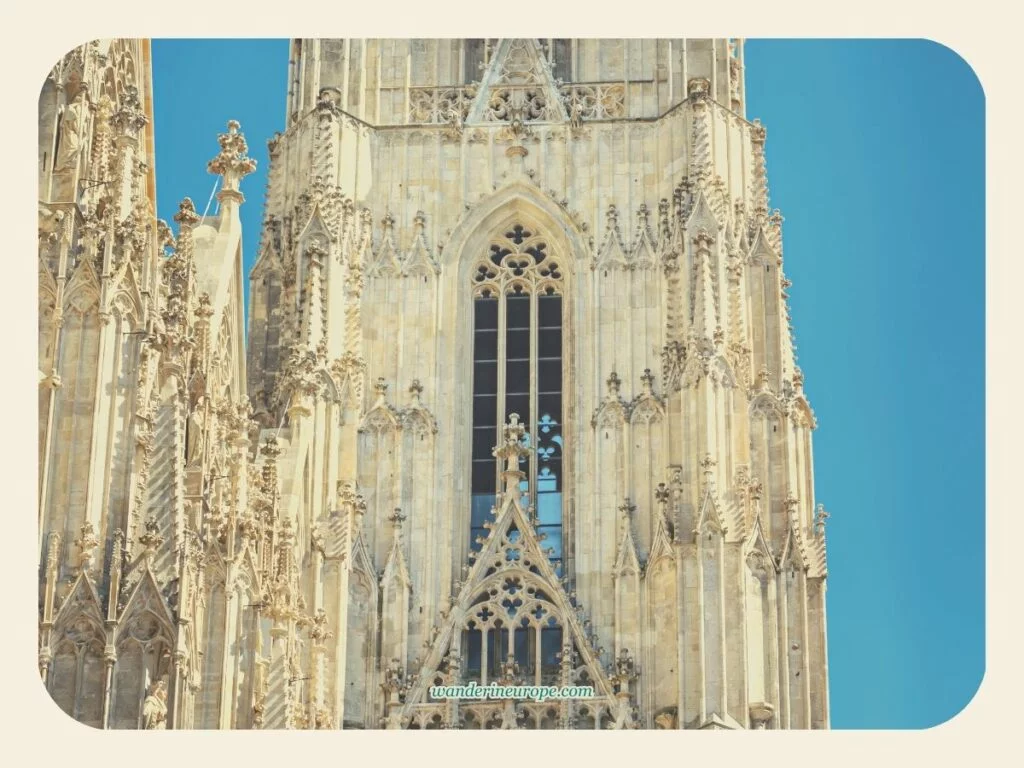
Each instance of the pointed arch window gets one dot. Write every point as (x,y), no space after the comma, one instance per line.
(517,368)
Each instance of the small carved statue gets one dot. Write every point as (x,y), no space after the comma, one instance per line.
(576,116)
(72,130)
(453,117)
(154,708)
(510,669)
(196,429)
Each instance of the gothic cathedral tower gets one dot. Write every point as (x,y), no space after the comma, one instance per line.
(568,240)
(522,406)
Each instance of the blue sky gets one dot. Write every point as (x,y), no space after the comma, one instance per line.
(876,160)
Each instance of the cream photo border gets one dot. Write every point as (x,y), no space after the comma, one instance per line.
(42,33)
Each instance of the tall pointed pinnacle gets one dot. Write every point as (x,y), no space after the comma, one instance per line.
(395,567)
(704,310)
(626,560)
(512,451)
(233,164)
(707,465)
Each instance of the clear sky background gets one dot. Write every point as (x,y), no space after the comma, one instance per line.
(876,160)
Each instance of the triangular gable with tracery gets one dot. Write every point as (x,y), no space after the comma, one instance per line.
(518,85)
(513,577)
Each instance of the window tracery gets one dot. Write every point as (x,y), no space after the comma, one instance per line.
(517,368)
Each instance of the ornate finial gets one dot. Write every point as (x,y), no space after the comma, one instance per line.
(396,518)
(642,216)
(647,381)
(820,516)
(708,464)
(758,133)
(129,118)
(792,502)
(613,217)
(510,669)
(416,389)
(186,215)
(318,630)
(627,508)
(512,451)
(151,539)
(394,681)
(756,488)
(87,543)
(625,670)
(613,384)
(233,163)
(271,449)
(381,387)
(703,239)
(798,379)
(662,493)
(762,377)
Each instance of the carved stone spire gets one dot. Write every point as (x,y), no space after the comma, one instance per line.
(512,451)
(232,163)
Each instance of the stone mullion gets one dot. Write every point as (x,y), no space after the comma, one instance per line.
(805,650)
(702,704)
(782,621)
(742,574)
(341,639)
(681,635)
(96,468)
(502,365)
(68,401)
(534,388)
(227,660)
(104,498)
(723,658)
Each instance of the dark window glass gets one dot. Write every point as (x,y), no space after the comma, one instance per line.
(486,314)
(485,410)
(474,59)
(518,345)
(485,377)
(517,312)
(549,343)
(517,376)
(484,440)
(485,344)
(550,649)
(474,642)
(484,476)
(549,311)
(549,375)
(561,53)
(524,650)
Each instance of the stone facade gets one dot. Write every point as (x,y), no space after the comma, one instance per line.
(278,534)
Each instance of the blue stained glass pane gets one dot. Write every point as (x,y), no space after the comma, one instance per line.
(553,540)
(549,508)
